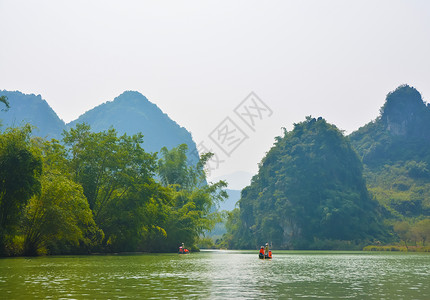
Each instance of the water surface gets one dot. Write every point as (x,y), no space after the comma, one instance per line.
(219,275)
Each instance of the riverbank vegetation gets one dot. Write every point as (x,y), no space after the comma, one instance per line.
(99,192)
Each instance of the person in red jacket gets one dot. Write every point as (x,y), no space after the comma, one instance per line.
(261,254)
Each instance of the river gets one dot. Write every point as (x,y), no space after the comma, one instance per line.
(219,275)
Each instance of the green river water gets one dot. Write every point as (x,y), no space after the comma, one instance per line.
(219,275)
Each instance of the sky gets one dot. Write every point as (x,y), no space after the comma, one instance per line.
(199,61)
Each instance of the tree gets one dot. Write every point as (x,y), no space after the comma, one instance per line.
(20,170)
(174,169)
(403,231)
(58,215)
(421,231)
(58,220)
(114,173)
(190,211)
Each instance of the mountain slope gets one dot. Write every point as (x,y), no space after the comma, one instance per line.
(130,113)
(309,192)
(25,108)
(395,150)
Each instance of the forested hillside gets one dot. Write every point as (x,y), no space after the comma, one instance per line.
(309,193)
(395,150)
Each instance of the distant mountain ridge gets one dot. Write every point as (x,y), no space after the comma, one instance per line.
(30,108)
(130,113)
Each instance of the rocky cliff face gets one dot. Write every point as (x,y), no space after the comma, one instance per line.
(400,133)
(405,114)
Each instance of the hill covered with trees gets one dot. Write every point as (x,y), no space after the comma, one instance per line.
(309,193)
(395,150)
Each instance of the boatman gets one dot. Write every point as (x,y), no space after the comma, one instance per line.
(266,250)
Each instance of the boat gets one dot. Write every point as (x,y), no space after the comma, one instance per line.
(266,256)
(183,250)
(265,253)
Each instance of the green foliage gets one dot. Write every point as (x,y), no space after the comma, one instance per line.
(58,215)
(99,192)
(173,168)
(190,212)
(421,231)
(309,186)
(114,172)
(417,233)
(20,170)
(205,243)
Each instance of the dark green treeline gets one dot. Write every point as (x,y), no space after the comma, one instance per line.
(99,192)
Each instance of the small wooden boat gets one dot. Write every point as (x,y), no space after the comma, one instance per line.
(183,251)
(266,255)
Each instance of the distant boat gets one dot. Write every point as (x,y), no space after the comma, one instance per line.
(266,256)
(183,250)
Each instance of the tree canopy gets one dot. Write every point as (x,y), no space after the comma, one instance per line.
(97,191)
(20,171)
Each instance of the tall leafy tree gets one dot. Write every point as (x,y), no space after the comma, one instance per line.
(20,170)
(113,171)
(58,220)
(191,209)
(58,216)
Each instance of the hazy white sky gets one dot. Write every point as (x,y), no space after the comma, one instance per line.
(197,60)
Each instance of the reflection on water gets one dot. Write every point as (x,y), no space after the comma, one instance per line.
(219,275)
